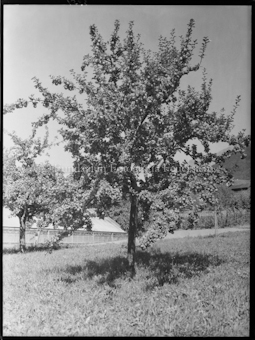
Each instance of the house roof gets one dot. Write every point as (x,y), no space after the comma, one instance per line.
(102,225)
(106,224)
(241,184)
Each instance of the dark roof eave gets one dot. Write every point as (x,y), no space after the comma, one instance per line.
(236,187)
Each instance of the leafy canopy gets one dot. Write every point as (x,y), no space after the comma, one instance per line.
(26,183)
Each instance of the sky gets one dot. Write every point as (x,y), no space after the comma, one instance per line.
(44,40)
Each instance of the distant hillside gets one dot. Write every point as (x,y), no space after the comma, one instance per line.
(240,168)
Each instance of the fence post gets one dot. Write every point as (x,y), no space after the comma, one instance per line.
(72,237)
(93,237)
(216,221)
(112,237)
(48,235)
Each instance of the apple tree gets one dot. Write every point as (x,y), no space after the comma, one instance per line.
(41,190)
(25,183)
(135,120)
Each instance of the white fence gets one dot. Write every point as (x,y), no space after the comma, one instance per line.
(78,238)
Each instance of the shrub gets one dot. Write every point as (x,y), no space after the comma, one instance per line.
(241,200)
(227,218)
(225,196)
(233,200)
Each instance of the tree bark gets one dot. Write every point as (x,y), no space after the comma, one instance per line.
(131,234)
(22,230)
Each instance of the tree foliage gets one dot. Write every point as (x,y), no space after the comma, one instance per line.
(40,190)
(26,184)
(23,179)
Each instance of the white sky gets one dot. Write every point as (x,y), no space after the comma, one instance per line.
(50,40)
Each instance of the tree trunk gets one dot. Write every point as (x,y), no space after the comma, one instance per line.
(22,230)
(131,234)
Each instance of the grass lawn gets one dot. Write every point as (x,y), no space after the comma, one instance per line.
(183,287)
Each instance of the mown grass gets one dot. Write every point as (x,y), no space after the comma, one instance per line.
(183,287)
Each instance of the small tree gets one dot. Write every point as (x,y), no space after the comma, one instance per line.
(137,117)
(41,190)
(26,184)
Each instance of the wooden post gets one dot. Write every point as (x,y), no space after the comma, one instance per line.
(38,238)
(112,237)
(48,235)
(72,238)
(93,237)
(216,221)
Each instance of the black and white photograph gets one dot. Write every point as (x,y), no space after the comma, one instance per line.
(126,170)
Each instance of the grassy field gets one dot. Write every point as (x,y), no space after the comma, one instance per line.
(183,287)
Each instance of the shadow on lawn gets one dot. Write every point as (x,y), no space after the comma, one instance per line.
(160,267)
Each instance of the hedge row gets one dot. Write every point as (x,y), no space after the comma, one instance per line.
(229,218)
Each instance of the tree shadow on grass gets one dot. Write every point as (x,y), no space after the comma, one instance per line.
(160,268)
(171,267)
